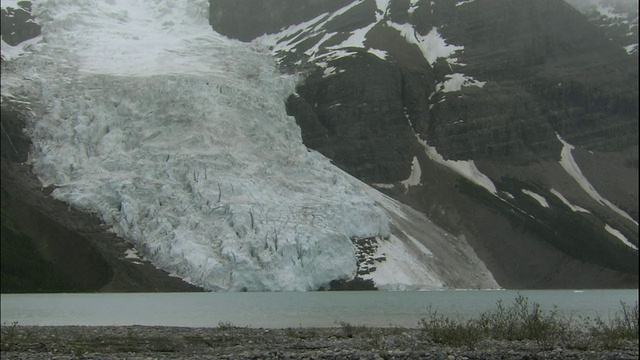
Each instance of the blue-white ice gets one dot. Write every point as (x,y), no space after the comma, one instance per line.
(145,116)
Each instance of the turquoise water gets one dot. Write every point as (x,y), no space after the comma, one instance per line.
(290,309)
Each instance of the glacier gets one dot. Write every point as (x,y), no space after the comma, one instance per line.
(140,113)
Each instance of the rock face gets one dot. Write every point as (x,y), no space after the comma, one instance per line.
(617,19)
(18,24)
(496,85)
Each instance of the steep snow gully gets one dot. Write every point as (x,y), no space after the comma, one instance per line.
(177,137)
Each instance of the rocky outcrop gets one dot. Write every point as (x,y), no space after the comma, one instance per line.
(18,24)
(356,118)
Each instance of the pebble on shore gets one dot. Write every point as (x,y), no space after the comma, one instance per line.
(228,342)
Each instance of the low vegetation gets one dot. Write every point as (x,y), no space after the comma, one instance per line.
(525,320)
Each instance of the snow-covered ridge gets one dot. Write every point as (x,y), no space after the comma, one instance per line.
(143,115)
(432,46)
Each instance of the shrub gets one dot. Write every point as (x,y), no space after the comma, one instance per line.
(350,330)
(226,325)
(523,320)
(454,332)
(8,336)
(623,326)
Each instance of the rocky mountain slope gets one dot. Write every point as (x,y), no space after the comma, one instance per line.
(617,19)
(511,123)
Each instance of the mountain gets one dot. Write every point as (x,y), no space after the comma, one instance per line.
(617,19)
(511,123)
(319,144)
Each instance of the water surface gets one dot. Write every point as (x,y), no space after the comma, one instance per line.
(290,309)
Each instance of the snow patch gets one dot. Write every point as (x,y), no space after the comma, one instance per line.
(330,70)
(356,40)
(413,5)
(571,167)
(569,204)
(381,54)
(289,38)
(382,6)
(383,186)
(316,48)
(631,49)
(401,270)
(416,174)
(432,45)
(465,168)
(421,256)
(539,198)
(456,81)
(10,53)
(132,254)
(620,236)
(459,3)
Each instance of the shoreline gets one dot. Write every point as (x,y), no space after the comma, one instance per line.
(229,342)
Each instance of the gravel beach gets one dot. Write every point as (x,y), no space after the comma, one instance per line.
(229,342)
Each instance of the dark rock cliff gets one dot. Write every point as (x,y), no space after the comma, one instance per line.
(18,24)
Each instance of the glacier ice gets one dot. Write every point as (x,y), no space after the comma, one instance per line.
(144,116)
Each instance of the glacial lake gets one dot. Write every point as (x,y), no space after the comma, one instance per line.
(291,309)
